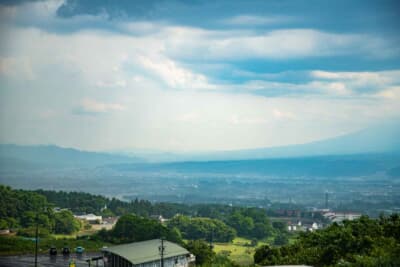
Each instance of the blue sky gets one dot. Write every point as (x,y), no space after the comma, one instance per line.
(195,75)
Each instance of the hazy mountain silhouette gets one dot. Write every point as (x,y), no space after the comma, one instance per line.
(16,156)
(383,138)
(380,139)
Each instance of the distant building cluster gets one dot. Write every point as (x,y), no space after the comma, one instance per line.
(98,222)
(341,216)
(299,226)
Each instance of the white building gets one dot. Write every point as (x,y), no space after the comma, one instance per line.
(90,218)
(341,216)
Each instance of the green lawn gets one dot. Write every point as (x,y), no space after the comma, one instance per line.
(239,251)
(75,235)
(59,236)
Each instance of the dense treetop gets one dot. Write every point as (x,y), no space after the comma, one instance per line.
(362,242)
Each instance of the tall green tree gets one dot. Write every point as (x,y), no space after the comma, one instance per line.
(65,223)
(201,249)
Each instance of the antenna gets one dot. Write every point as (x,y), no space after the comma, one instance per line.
(326,199)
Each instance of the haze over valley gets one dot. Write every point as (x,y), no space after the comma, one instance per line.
(367,182)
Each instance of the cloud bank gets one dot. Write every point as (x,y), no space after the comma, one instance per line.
(98,80)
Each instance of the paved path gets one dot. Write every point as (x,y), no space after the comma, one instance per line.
(46,260)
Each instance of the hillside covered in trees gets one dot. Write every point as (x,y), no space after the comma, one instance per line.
(23,209)
(362,242)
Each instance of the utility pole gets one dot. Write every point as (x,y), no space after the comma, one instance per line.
(211,243)
(211,239)
(36,237)
(162,249)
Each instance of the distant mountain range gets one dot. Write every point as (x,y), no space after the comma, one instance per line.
(375,140)
(317,166)
(383,138)
(50,156)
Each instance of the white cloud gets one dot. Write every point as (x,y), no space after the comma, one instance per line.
(391,93)
(364,83)
(90,106)
(175,76)
(279,89)
(129,77)
(191,43)
(188,117)
(280,114)
(16,67)
(239,120)
(116,83)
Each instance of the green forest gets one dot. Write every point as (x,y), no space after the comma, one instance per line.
(22,210)
(362,242)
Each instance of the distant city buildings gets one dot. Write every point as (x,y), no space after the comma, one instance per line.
(341,216)
(299,226)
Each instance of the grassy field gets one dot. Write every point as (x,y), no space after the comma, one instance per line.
(239,251)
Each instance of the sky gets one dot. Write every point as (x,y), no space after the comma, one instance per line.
(195,75)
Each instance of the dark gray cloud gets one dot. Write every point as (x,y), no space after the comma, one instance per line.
(339,16)
(115,9)
(16,2)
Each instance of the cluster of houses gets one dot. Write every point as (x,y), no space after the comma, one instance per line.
(331,216)
(299,226)
(98,222)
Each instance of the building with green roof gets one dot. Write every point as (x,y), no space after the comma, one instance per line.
(147,254)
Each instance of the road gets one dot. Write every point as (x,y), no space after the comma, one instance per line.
(46,260)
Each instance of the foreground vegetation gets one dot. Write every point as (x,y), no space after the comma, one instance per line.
(23,210)
(219,235)
(240,250)
(362,242)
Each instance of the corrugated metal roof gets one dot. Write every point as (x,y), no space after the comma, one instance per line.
(146,251)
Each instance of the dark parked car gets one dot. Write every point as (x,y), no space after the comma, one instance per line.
(66,251)
(53,251)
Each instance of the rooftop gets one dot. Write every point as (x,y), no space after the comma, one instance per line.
(146,251)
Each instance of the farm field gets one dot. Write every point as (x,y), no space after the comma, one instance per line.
(240,250)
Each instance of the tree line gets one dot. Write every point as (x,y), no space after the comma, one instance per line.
(246,222)
(23,210)
(363,242)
